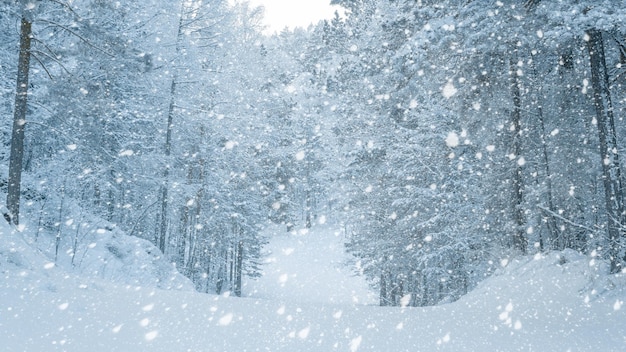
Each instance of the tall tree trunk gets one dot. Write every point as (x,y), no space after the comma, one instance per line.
(168,138)
(239,269)
(383,295)
(611,173)
(19,121)
(550,220)
(549,217)
(519,239)
(183,235)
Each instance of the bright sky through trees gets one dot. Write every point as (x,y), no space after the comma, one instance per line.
(294,13)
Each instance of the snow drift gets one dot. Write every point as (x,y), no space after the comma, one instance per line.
(554,302)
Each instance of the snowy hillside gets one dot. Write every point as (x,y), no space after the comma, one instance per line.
(558,302)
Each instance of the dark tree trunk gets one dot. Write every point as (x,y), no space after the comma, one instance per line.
(383,296)
(239,269)
(19,121)
(548,217)
(168,137)
(611,173)
(519,239)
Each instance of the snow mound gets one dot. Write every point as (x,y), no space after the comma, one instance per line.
(560,301)
(102,254)
(553,275)
(116,257)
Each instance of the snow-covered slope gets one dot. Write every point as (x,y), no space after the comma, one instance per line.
(558,302)
(94,252)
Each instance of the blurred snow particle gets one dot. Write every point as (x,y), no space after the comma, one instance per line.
(618,305)
(71,147)
(355,343)
(226,319)
(504,262)
(444,339)
(405,300)
(304,333)
(48,266)
(151,335)
(539,33)
(518,325)
(337,315)
(491,148)
(322,220)
(413,104)
(126,152)
(369,189)
(449,90)
(144,322)
(300,155)
(448,27)
(521,161)
(230,145)
(400,326)
(63,306)
(117,329)
(148,307)
(452,140)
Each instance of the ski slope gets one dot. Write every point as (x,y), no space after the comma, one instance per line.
(557,302)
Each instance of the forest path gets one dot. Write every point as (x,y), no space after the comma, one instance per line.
(308,266)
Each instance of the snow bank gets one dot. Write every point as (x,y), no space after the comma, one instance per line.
(100,254)
(116,257)
(555,302)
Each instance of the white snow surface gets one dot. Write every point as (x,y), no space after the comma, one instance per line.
(558,302)
(309,266)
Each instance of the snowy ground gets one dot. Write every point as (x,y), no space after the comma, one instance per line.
(309,266)
(557,302)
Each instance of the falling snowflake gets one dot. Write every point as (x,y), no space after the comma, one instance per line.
(449,90)
(452,140)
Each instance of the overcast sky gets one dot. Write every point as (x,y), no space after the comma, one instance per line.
(294,13)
